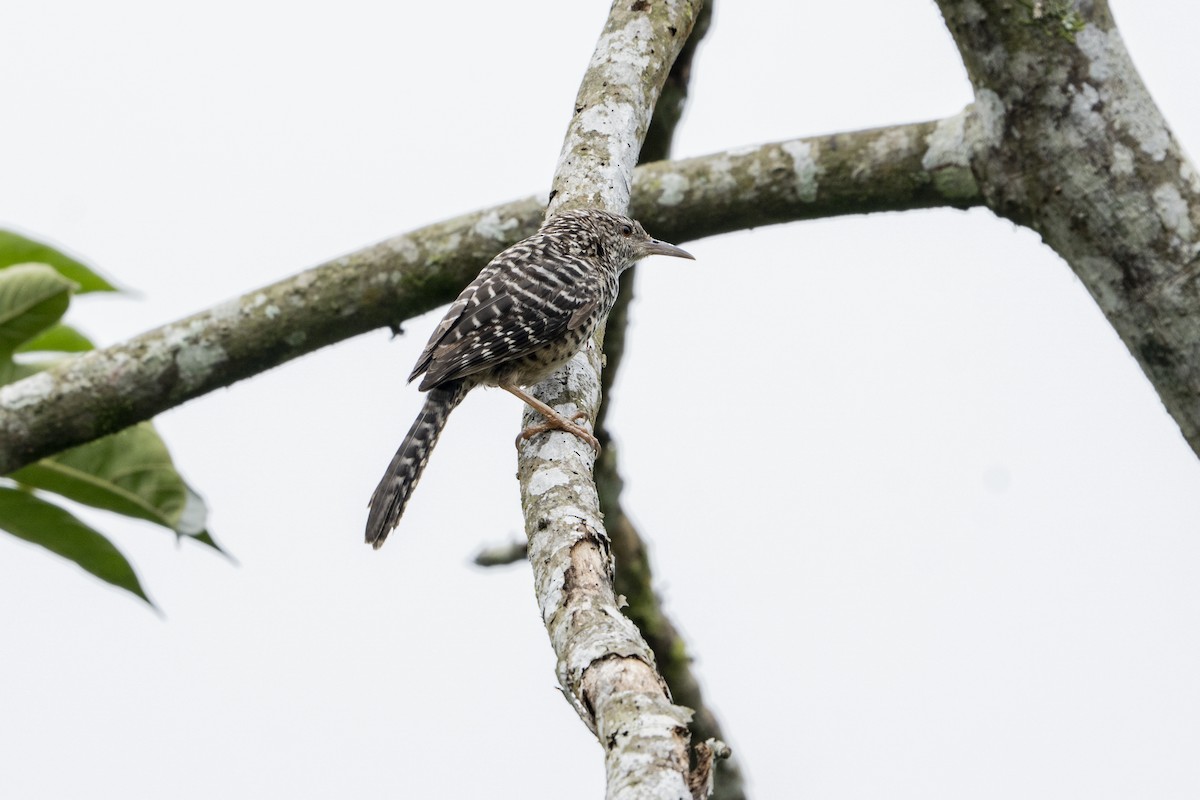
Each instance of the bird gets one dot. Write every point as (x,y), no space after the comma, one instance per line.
(528,312)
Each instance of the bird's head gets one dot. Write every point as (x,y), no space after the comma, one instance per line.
(617,241)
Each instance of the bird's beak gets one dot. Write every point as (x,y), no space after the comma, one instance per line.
(656,248)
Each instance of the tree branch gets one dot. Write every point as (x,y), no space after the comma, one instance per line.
(1071,144)
(102,391)
(605,668)
(633,578)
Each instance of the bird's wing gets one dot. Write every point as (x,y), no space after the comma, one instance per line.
(452,317)
(509,315)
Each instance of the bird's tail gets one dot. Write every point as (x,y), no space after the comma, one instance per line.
(390,497)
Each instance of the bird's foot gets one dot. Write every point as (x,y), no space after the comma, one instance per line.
(561,423)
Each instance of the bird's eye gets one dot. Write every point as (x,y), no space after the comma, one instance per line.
(627,230)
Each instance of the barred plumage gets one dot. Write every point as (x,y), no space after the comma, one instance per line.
(529,310)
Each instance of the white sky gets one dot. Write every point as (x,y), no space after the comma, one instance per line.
(925,524)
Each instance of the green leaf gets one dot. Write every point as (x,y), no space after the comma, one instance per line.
(34,520)
(60,338)
(207,539)
(11,371)
(16,249)
(32,298)
(129,472)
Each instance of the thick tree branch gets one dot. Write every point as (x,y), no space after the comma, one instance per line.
(633,578)
(1071,144)
(101,392)
(605,667)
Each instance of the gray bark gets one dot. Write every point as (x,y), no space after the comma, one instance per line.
(605,668)
(1065,139)
(383,285)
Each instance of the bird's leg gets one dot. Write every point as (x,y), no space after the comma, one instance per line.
(554,420)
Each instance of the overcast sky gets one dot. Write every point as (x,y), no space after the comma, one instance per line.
(926,526)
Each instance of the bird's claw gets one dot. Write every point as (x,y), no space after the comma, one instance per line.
(562,424)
